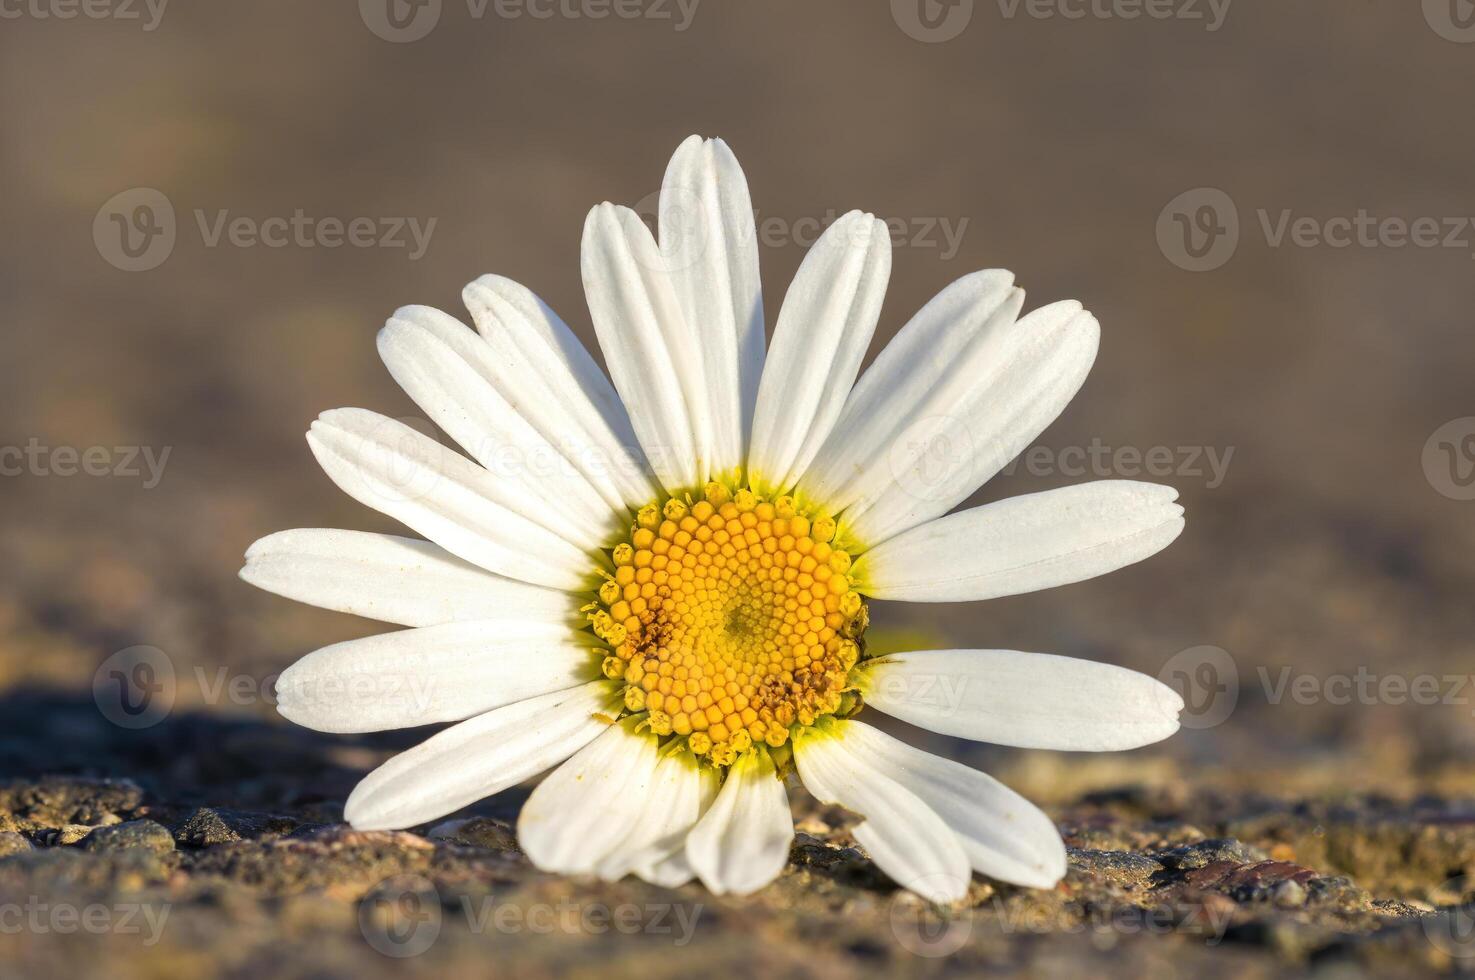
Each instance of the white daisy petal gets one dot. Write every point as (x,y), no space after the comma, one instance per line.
(581,813)
(651,354)
(955,335)
(447,369)
(386,465)
(680,791)
(823,330)
(672,871)
(478,758)
(710,245)
(1024,544)
(742,842)
(432,674)
(1004,835)
(540,367)
(393,579)
(1031,700)
(954,435)
(903,835)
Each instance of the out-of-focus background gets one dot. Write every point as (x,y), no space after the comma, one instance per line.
(1269,206)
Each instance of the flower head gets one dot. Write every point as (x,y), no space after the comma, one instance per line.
(658,587)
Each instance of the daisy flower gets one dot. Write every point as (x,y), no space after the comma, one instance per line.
(655,583)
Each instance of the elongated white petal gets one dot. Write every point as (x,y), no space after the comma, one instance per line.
(1032,700)
(447,369)
(432,674)
(959,332)
(579,815)
(393,579)
(710,245)
(651,354)
(539,366)
(1024,544)
(956,432)
(386,465)
(479,757)
(823,330)
(903,835)
(742,841)
(1004,835)
(672,871)
(679,792)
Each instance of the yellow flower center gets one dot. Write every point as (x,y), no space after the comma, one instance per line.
(731,620)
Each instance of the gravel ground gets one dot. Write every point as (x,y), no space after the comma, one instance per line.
(1163,881)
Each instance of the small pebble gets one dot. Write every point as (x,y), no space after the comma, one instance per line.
(13,843)
(146,835)
(1289,894)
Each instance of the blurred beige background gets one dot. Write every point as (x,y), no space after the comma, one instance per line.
(1048,146)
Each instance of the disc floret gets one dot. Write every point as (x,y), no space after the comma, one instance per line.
(730,620)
